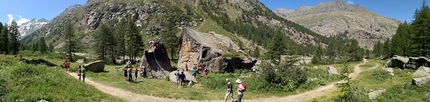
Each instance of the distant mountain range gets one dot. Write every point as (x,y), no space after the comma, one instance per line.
(337,17)
(31,26)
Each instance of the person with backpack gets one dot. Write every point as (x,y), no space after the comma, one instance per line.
(241,87)
(83,73)
(229,90)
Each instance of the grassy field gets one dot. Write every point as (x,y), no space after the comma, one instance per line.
(399,87)
(30,83)
(211,88)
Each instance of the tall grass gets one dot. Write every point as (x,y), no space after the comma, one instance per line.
(30,83)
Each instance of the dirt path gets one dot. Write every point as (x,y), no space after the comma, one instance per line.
(302,97)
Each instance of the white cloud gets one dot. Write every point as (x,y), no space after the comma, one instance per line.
(19,22)
(350,2)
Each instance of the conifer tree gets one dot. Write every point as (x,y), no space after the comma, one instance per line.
(70,43)
(104,40)
(4,40)
(14,37)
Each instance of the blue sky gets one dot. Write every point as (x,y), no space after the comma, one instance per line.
(24,10)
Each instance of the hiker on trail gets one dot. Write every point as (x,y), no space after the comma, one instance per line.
(229,90)
(143,69)
(83,73)
(194,73)
(182,79)
(79,72)
(177,77)
(186,67)
(240,89)
(67,65)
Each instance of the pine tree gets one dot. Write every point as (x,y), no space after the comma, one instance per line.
(421,31)
(4,40)
(70,44)
(104,40)
(277,46)
(169,38)
(43,48)
(317,58)
(14,37)
(134,41)
(120,34)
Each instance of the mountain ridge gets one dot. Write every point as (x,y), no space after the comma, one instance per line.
(337,17)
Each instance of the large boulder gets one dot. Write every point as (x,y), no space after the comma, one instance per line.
(213,51)
(420,81)
(157,60)
(97,66)
(422,71)
(188,76)
(332,71)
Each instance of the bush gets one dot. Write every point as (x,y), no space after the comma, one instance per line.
(286,76)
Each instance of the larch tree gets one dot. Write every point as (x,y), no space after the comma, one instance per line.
(14,37)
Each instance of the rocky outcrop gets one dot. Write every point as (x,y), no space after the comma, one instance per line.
(97,66)
(37,62)
(332,71)
(211,51)
(374,94)
(420,81)
(422,71)
(157,60)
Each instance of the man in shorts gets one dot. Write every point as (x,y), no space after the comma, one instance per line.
(229,90)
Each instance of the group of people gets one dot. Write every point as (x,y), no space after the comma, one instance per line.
(180,78)
(196,71)
(241,88)
(66,66)
(128,71)
(81,70)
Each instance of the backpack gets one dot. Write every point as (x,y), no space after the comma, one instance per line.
(244,87)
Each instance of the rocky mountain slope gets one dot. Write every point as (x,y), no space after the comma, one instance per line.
(196,14)
(31,26)
(336,17)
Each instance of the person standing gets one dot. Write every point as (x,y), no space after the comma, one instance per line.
(240,90)
(229,90)
(83,73)
(143,69)
(135,74)
(125,71)
(177,77)
(182,79)
(130,73)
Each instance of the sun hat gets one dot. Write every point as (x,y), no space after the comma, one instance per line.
(238,81)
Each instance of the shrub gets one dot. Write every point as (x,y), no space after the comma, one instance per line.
(286,76)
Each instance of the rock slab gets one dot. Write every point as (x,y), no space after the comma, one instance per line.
(97,66)
(420,81)
(422,71)
(157,60)
(188,76)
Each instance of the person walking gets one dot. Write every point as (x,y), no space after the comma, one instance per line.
(83,73)
(79,72)
(67,65)
(240,90)
(229,91)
